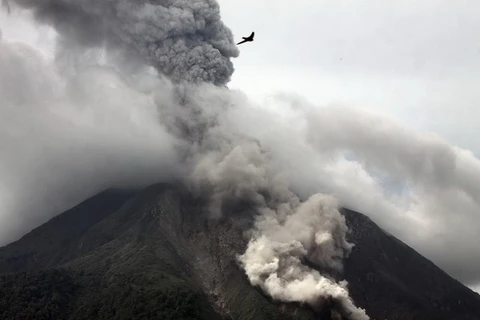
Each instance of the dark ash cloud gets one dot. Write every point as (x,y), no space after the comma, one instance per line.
(185,40)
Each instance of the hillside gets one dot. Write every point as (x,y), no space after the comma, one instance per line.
(152,255)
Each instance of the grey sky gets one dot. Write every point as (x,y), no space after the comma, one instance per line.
(417,60)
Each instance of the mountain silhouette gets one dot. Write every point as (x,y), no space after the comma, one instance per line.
(153,254)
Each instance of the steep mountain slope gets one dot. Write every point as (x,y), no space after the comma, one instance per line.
(154,255)
(392,281)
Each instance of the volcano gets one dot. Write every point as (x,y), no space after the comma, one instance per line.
(156,253)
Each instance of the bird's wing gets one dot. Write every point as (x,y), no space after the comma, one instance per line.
(242,42)
(252,35)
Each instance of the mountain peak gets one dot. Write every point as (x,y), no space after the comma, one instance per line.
(156,253)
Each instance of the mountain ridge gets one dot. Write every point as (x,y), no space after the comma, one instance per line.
(138,245)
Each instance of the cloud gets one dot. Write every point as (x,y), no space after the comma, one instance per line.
(63,139)
(434,185)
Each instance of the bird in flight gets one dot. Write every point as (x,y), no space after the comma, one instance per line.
(247,39)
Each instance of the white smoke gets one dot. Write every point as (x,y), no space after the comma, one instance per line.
(314,230)
(287,231)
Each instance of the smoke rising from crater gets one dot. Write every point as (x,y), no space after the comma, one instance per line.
(286,232)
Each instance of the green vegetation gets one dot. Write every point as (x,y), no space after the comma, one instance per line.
(62,294)
(36,295)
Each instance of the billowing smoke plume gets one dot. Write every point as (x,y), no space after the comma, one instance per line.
(287,231)
(314,231)
(185,40)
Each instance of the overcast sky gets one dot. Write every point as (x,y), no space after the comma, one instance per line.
(416,61)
